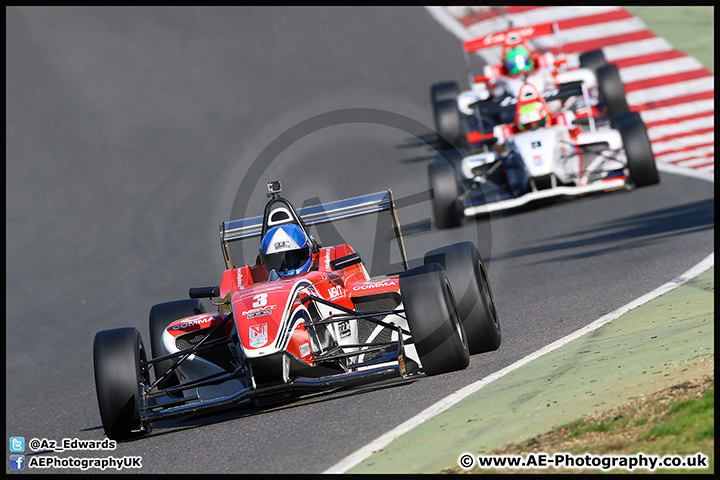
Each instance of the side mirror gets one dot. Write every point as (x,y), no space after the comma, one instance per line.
(205,292)
(346,261)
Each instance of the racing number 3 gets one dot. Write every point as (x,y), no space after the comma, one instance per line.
(260,300)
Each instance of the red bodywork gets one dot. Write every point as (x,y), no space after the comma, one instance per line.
(270,316)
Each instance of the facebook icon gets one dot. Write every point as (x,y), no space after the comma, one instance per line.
(17,462)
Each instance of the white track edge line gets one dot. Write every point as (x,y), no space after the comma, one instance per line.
(685,171)
(358,456)
(449,22)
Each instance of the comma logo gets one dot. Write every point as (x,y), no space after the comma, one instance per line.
(375,285)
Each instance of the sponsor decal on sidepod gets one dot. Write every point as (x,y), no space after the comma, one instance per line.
(192,323)
(367,286)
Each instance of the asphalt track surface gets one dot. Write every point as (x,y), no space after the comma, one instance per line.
(129,132)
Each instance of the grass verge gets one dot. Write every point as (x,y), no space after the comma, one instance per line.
(678,420)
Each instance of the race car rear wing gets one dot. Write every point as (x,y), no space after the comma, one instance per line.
(234,230)
(509,37)
(565,91)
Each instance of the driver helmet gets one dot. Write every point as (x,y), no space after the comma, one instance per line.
(518,60)
(532,116)
(286,249)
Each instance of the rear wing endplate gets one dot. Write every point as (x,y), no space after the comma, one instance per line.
(235,230)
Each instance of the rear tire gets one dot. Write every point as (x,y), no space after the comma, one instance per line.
(161,316)
(440,92)
(466,273)
(444,91)
(446,191)
(612,91)
(618,120)
(448,124)
(593,60)
(116,358)
(640,159)
(436,330)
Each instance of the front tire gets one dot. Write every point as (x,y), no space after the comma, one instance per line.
(117,355)
(436,330)
(640,159)
(446,190)
(466,273)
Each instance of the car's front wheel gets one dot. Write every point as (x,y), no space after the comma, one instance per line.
(431,312)
(640,159)
(466,273)
(117,357)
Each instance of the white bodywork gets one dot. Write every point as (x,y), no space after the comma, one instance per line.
(540,150)
(547,154)
(197,367)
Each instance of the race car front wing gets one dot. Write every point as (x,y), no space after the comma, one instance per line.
(387,352)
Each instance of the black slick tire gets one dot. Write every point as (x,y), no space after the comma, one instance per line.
(466,273)
(612,90)
(593,60)
(446,188)
(117,355)
(618,120)
(444,91)
(448,124)
(436,330)
(640,159)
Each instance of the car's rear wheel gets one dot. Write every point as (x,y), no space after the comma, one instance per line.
(444,91)
(440,92)
(640,159)
(618,120)
(612,91)
(431,312)
(448,124)
(466,273)
(446,189)
(593,60)
(117,357)
(162,315)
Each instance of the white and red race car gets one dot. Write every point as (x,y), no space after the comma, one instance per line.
(541,154)
(272,338)
(454,111)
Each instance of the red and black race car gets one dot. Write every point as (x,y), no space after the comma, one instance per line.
(282,330)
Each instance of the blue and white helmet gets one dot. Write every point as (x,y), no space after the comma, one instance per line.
(286,249)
